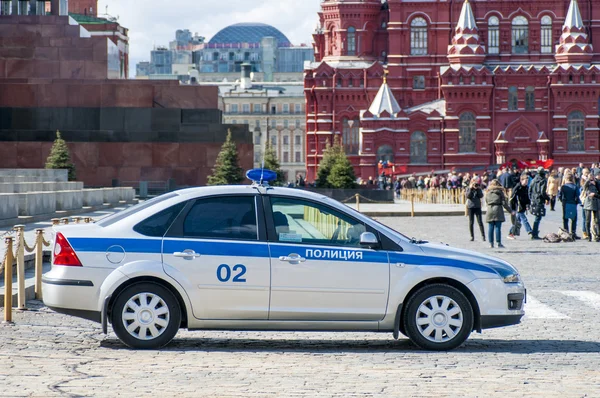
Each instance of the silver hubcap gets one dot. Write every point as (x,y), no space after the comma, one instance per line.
(145,316)
(439,319)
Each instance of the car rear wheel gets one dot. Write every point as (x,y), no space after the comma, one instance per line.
(438,317)
(146,315)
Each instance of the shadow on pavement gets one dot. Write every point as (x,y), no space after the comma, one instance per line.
(365,346)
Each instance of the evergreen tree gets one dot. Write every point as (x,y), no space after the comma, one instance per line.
(227,170)
(271,163)
(60,158)
(329,157)
(342,173)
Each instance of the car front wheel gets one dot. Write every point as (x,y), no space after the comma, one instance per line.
(146,316)
(438,317)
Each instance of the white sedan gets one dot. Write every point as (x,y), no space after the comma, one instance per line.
(262,258)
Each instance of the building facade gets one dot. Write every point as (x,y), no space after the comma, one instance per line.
(437,84)
(274,113)
(269,53)
(57,75)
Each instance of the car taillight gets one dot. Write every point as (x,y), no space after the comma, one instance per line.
(64,253)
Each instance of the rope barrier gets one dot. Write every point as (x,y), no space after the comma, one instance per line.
(19,254)
(353,198)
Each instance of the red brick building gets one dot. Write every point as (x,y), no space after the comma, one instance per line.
(55,75)
(469,84)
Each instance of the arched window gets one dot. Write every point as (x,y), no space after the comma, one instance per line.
(576,125)
(385,152)
(546,35)
(493,35)
(466,133)
(418,147)
(530,98)
(418,36)
(520,35)
(351,40)
(513,99)
(350,135)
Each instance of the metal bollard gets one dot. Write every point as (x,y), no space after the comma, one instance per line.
(357,202)
(8,264)
(55,221)
(39,258)
(20,266)
(412,205)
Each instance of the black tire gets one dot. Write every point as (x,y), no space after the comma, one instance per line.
(164,316)
(440,320)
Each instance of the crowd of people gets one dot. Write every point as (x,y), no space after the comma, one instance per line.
(530,192)
(521,193)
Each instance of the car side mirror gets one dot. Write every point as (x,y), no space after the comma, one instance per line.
(369,240)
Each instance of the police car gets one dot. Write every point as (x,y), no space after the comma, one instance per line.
(264,258)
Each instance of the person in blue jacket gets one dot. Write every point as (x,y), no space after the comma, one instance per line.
(568,195)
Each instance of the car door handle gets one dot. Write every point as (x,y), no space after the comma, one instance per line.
(189,254)
(293,258)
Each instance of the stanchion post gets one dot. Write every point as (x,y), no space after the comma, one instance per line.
(39,255)
(20,266)
(357,202)
(8,264)
(412,205)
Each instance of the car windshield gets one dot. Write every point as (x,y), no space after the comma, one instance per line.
(380,225)
(113,218)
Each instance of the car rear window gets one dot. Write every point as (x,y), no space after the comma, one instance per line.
(110,220)
(158,224)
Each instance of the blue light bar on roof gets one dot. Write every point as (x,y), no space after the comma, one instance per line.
(260,176)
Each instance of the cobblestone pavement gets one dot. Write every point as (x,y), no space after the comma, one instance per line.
(554,352)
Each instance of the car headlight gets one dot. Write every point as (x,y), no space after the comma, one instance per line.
(513,278)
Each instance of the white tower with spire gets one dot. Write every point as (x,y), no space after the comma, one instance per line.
(384,103)
(574,46)
(466,45)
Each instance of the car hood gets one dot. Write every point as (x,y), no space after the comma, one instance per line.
(501,267)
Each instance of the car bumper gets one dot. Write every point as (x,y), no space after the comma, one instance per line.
(74,290)
(500,304)
(497,321)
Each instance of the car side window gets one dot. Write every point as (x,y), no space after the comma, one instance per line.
(301,221)
(158,224)
(225,217)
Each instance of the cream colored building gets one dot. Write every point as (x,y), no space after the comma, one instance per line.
(274,112)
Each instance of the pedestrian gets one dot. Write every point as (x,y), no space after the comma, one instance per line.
(420,183)
(496,201)
(397,187)
(590,206)
(580,182)
(474,195)
(552,190)
(381,181)
(539,197)
(579,171)
(568,195)
(519,203)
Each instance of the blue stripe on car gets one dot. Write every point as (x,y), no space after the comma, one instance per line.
(260,249)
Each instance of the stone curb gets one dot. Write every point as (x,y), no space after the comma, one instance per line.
(59,214)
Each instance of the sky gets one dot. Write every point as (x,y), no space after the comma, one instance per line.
(154,22)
